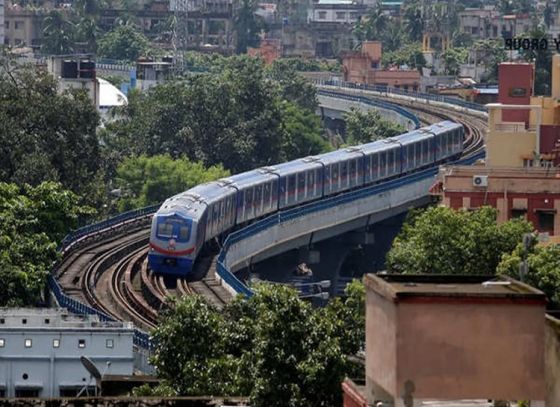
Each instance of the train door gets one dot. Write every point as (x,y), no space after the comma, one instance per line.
(335,172)
(258,201)
(292,189)
(344,175)
(311,187)
(353,173)
(382,164)
(283,192)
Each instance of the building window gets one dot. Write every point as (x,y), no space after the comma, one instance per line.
(56,343)
(24,321)
(353,16)
(81,343)
(518,213)
(2,342)
(340,15)
(47,321)
(527,163)
(28,343)
(109,343)
(34,393)
(7,25)
(322,15)
(2,321)
(546,220)
(18,25)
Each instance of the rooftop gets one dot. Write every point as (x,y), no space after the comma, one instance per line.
(398,287)
(53,318)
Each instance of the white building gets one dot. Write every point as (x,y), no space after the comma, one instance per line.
(40,351)
(336,11)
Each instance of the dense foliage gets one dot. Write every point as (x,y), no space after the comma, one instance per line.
(124,42)
(443,241)
(543,269)
(32,220)
(273,347)
(236,117)
(46,135)
(149,180)
(363,127)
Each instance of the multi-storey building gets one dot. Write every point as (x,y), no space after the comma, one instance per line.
(40,351)
(489,23)
(520,175)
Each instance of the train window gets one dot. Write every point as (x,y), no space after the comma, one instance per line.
(353,171)
(426,148)
(334,169)
(184,233)
(344,170)
(266,194)
(418,152)
(310,182)
(274,191)
(382,163)
(391,161)
(410,155)
(301,181)
(165,229)
(291,183)
(258,195)
(374,166)
(249,198)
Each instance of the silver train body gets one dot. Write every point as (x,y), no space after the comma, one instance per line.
(185,222)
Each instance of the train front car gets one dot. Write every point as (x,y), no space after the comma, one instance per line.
(173,238)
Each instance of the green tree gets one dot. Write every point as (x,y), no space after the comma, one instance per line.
(124,42)
(453,58)
(408,54)
(150,180)
(247,26)
(443,241)
(45,135)
(413,21)
(542,59)
(543,271)
(302,133)
(233,117)
(32,220)
(273,347)
(58,33)
(293,87)
(491,53)
(372,26)
(363,127)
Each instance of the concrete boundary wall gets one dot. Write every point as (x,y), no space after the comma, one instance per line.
(344,105)
(552,361)
(240,253)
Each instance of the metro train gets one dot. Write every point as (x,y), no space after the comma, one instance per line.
(187,221)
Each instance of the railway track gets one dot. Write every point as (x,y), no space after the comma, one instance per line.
(110,271)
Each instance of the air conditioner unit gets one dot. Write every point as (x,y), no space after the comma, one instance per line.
(480,180)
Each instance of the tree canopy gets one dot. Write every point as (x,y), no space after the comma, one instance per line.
(543,268)
(124,42)
(444,241)
(45,135)
(235,117)
(273,347)
(149,180)
(32,221)
(363,127)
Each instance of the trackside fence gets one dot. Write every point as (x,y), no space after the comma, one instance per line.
(129,219)
(394,91)
(223,268)
(81,235)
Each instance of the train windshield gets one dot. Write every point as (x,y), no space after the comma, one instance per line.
(174,228)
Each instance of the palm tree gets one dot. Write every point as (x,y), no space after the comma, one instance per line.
(88,32)
(414,23)
(58,34)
